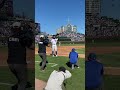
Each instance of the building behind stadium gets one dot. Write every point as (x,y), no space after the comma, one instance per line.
(67,28)
(69,33)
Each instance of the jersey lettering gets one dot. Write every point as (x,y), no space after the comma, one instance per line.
(14,39)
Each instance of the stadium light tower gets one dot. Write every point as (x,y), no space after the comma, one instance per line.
(68,21)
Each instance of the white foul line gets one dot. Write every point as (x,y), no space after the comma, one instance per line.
(54,65)
(8,84)
(49,63)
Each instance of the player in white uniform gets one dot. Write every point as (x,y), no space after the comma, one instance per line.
(54,46)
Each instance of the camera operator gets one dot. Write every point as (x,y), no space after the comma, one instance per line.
(17,44)
(57,78)
(42,51)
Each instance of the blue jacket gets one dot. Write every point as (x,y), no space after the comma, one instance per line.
(93,74)
(73,57)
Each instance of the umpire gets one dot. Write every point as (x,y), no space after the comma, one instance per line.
(42,50)
(17,44)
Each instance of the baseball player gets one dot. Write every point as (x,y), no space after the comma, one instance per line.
(54,46)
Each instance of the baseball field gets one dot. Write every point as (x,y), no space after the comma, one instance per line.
(76,82)
(110,58)
(106,53)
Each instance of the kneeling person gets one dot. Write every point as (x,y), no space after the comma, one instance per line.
(56,79)
(73,56)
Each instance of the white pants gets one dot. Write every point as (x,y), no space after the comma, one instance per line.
(54,47)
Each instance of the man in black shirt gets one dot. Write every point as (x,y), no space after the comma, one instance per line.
(17,44)
(42,50)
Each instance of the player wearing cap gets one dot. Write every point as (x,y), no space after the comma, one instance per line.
(17,44)
(54,45)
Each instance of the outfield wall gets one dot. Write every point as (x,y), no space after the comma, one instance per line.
(71,42)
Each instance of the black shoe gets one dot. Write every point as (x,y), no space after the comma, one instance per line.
(76,66)
(40,64)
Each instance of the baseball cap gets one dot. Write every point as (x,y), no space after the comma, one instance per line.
(73,49)
(62,68)
(92,56)
(41,36)
(53,36)
(16,24)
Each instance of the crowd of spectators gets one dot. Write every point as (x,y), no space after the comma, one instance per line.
(72,35)
(102,27)
(4,32)
(5,29)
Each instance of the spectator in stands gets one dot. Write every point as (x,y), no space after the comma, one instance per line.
(106,27)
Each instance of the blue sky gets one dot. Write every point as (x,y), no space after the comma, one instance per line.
(52,14)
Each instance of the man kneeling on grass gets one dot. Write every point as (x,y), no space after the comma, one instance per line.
(56,79)
(93,73)
(73,62)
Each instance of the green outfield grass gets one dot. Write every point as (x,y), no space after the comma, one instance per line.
(111,82)
(102,43)
(81,51)
(82,44)
(76,82)
(7,77)
(110,60)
